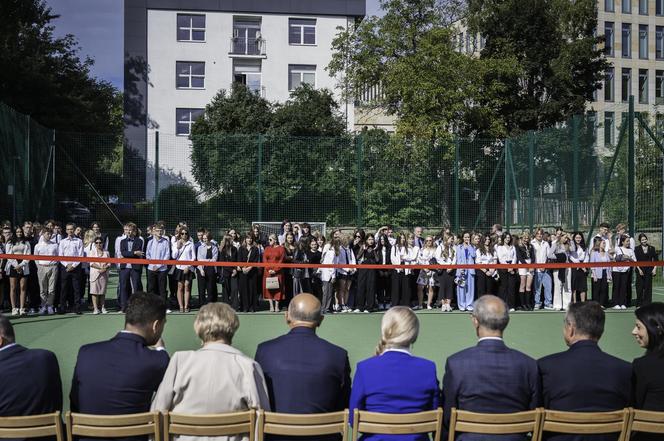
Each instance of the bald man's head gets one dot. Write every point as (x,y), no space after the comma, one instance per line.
(491,314)
(304,310)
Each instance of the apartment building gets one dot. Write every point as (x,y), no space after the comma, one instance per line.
(178,55)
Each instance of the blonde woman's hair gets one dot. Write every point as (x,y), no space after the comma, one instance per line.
(216,321)
(89,237)
(398,329)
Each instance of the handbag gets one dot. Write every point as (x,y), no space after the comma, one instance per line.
(272,283)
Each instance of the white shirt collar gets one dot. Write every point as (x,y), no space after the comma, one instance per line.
(7,347)
(405,351)
(490,338)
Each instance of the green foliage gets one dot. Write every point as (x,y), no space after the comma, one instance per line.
(171,200)
(309,112)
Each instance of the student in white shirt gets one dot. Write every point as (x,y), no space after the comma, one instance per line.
(542,276)
(329,255)
(506,255)
(600,275)
(47,271)
(445,255)
(411,259)
(562,278)
(426,278)
(344,275)
(623,253)
(579,275)
(70,272)
(485,277)
(400,283)
(183,249)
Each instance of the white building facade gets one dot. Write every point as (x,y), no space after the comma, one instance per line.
(177,60)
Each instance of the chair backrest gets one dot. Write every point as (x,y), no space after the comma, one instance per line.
(398,423)
(495,423)
(646,421)
(33,426)
(223,424)
(113,426)
(289,424)
(587,423)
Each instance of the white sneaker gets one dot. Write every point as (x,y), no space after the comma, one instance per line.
(32,311)
(623,307)
(50,310)
(356,310)
(429,307)
(470,308)
(336,308)
(366,311)
(14,311)
(511,310)
(617,307)
(168,311)
(42,310)
(103,310)
(21,311)
(96,311)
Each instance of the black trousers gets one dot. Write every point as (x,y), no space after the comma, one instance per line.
(366,289)
(400,289)
(601,290)
(248,292)
(484,284)
(383,287)
(207,285)
(34,299)
(620,287)
(130,282)
(157,281)
(508,287)
(225,281)
(70,281)
(643,289)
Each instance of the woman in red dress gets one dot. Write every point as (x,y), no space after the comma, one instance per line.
(275,254)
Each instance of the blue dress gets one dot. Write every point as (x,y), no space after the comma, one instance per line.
(465,294)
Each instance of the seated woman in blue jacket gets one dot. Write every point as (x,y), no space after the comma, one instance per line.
(394,381)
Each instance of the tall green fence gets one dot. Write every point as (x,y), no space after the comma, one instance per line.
(558,176)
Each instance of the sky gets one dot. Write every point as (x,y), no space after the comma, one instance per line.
(98,27)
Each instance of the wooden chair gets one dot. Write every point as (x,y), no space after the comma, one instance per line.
(587,423)
(33,426)
(289,424)
(645,421)
(397,423)
(496,423)
(223,424)
(113,426)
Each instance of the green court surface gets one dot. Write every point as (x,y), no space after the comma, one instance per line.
(441,334)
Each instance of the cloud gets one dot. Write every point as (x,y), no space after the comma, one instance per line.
(98,27)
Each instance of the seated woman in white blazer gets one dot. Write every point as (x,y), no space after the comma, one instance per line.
(216,378)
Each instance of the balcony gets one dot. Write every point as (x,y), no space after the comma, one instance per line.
(248,47)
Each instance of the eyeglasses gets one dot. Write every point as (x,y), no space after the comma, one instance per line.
(98,243)
(183,234)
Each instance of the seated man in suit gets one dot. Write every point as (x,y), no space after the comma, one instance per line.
(120,375)
(30,380)
(303,372)
(583,378)
(490,377)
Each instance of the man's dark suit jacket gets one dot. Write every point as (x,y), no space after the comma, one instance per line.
(118,376)
(304,373)
(490,378)
(584,379)
(127,253)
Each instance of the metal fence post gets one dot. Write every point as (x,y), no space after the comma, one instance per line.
(531,179)
(53,203)
(631,170)
(27,209)
(508,213)
(359,147)
(456,182)
(259,179)
(156,176)
(575,173)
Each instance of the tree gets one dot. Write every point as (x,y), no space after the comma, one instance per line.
(559,57)
(308,112)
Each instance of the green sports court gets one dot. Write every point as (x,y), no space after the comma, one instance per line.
(441,334)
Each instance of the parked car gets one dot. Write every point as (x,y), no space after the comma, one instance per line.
(73,211)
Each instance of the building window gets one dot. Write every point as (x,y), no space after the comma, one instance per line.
(659,7)
(609,5)
(301,74)
(248,72)
(643,86)
(659,87)
(190,75)
(626,40)
(643,7)
(592,124)
(609,127)
(247,38)
(626,84)
(608,84)
(301,31)
(184,119)
(191,27)
(643,42)
(626,6)
(608,37)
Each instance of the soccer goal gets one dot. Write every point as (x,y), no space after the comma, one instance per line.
(275,227)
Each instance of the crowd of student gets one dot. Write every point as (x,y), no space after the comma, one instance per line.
(46,285)
(301,373)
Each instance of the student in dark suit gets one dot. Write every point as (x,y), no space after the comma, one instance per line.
(120,375)
(394,381)
(644,274)
(583,378)
(647,378)
(303,372)
(131,247)
(30,381)
(490,377)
